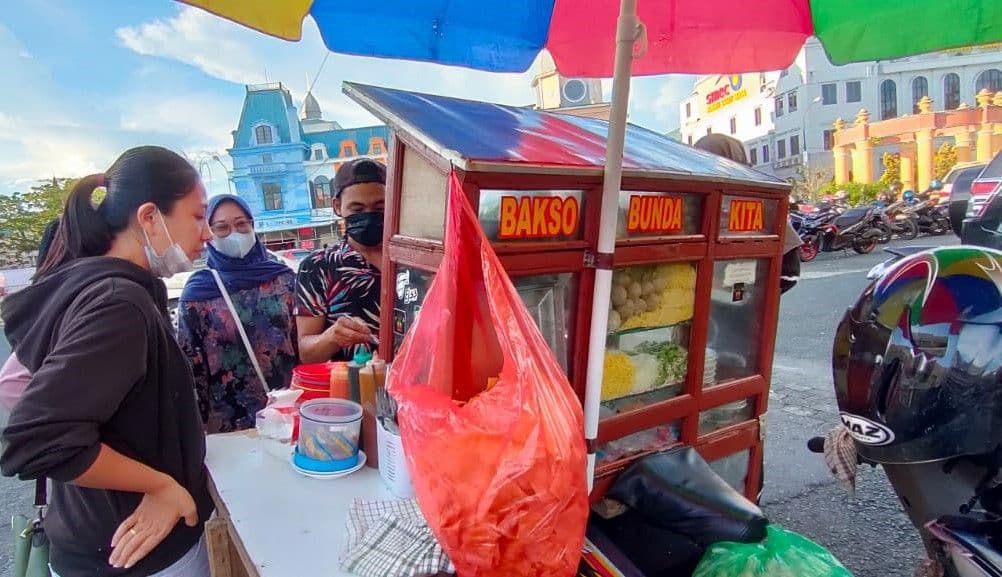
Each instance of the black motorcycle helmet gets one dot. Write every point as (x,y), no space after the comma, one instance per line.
(917,362)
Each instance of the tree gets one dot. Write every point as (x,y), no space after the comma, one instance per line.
(807,183)
(24,215)
(892,169)
(945,159)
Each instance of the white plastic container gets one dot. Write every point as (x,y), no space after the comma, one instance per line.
(392,464)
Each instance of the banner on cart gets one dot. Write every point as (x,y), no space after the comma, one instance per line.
(538,217)
(746,216)
(654,214)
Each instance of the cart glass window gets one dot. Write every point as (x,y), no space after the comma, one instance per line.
(423,198)
(647,348)
(654,439)
(736,310)
(532,215)
(552,301)
(658,214)
(733,469)
(724,416)
(747,216)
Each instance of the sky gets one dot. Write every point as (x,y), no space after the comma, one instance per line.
(84,81)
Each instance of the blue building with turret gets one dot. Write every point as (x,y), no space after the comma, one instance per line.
(283,165)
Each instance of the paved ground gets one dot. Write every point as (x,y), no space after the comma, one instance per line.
(869,533)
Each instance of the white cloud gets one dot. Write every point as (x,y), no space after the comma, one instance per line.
(230,52)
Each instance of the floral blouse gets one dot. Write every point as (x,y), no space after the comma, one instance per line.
(229,394)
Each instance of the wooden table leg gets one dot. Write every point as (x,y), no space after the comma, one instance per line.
(217,537)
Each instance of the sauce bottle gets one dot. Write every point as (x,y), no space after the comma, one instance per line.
(340,388)
(362,357)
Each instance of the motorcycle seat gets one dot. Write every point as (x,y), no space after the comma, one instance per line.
(678,491)
(851,217)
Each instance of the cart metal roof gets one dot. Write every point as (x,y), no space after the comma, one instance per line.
(483,137)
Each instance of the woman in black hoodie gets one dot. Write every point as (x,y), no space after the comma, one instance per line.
(110,413)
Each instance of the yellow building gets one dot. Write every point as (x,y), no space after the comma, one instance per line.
(976,132)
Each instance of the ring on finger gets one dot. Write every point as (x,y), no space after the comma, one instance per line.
(133,532)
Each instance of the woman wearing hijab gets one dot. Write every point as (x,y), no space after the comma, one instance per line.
(263,292)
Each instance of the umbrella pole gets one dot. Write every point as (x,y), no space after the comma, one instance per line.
(627,33)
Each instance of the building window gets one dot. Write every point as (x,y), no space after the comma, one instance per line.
(348,148)
(990,80)
(734,125)
(951,91)
(322,193)
(779,106)
(780,149)
(853,91)
(709,130)
(265,159)
(795,145)
(791,99)
(758,116)
(753,156)
(688,110)
(272,195)
(829,94)
(765,153)
(377,147)
(262,135)
(829,138)
(888,100)
(920,89)
(690,140)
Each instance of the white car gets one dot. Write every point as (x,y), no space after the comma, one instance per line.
(175,284)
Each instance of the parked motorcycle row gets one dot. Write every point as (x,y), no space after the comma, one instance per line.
(835,226)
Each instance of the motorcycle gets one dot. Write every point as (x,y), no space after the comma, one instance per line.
(955,503)
(896,221)
(930,218)
(835,231)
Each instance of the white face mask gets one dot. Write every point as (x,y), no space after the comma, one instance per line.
(236,244)
(173,260)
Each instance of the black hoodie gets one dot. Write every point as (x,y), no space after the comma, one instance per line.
(105,369)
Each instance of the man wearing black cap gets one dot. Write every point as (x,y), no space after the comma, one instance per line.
(338,288)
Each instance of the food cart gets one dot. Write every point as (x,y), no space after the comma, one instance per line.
(696,268)
(694,304)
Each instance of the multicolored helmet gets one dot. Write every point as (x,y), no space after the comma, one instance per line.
(917,362)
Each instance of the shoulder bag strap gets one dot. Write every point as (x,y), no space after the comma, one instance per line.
(41,494)
(240,329)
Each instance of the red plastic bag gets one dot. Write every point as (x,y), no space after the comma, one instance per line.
(501,476)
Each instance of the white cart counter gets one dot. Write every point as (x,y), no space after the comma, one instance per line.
(272,521)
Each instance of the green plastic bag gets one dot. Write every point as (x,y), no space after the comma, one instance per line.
(781,554)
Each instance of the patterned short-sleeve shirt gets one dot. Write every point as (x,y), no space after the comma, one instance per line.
(339,282)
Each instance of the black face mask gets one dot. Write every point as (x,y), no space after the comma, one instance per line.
(365,228)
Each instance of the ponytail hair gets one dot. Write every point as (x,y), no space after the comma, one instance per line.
(141,175)
(83,231)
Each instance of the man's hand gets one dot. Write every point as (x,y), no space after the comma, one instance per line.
(348,331)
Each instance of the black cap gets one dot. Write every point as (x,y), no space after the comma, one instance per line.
(358,171)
